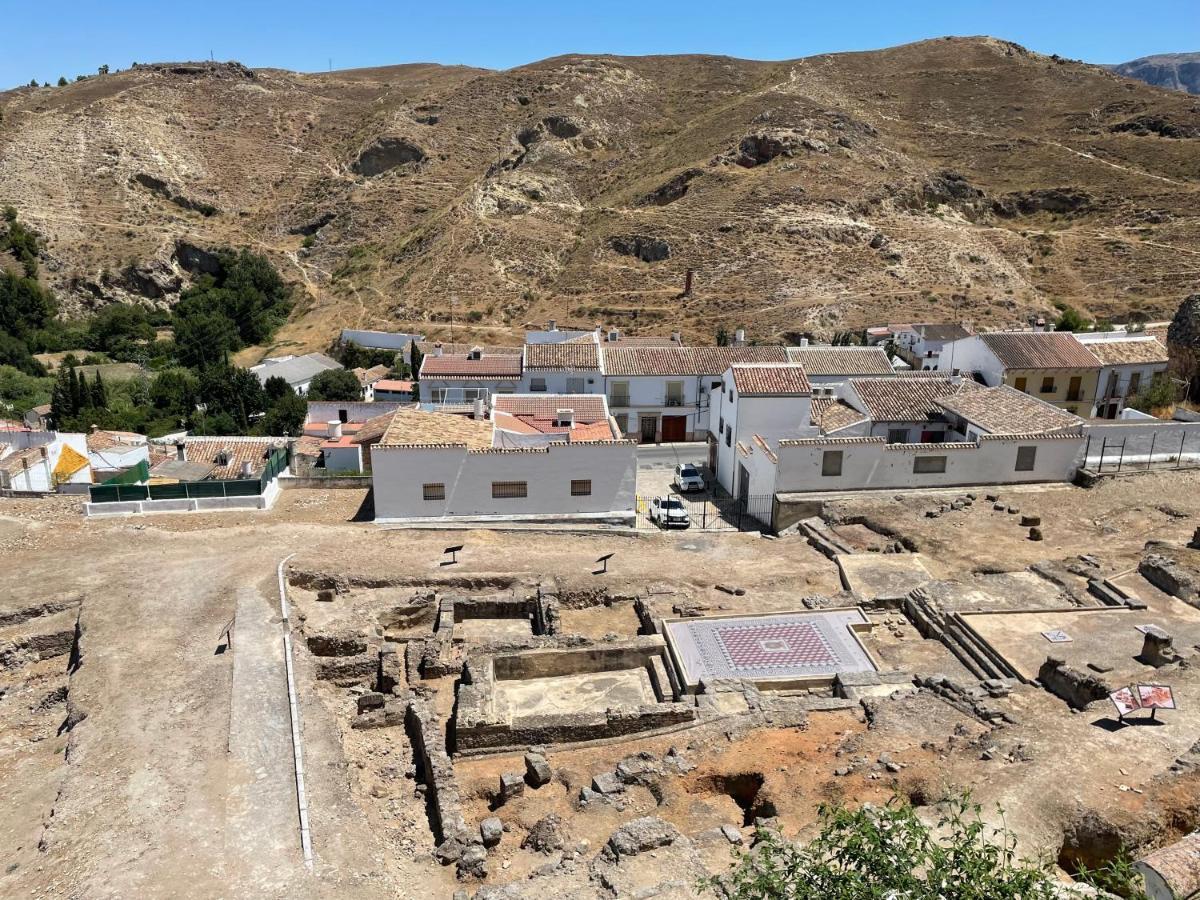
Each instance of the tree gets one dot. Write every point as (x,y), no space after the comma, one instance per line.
(232,392)
(79,391)
(415,358)
(722,337)
(1071,320)
(286,416)
(119,330)
(173,392)
(33,82)
(62,81)
(23,391)
(99,396)
(335,384)
(204,338)
(62,399)
(15,352)
(1159,394)
(103,70)
(888,852)
(276,388)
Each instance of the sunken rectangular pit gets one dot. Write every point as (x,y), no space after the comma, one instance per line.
(571,695)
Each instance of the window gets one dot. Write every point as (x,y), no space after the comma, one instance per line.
(537,384)
(716,386)
(1048,385)
(343,416)
(1026,458)
(831,462)
(619,395)
(674,393)
(929,465)
(581,487)
(1075,388)
(509,490)
(728,436)
(897,435)
(622,422)
(1135,382)
(433,491)
(1022,384)
(574,385)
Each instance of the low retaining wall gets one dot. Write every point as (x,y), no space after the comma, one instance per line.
(436,770)
(198,504)
(338,482)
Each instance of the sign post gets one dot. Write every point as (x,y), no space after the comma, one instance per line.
(453,551)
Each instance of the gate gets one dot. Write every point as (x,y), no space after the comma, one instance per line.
(750,513)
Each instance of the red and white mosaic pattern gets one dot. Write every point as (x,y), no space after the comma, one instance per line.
(772,646)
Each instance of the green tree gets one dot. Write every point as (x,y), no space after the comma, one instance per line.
(79,391)
(15,352)
(204,338)
(120,330)
(1159,394)
(888,852)
(103,70)
(173,392)
(62,398)
(335,384)
(415,358)
(99,396)
(286,416)
(232,392)
(33,82)
(1071,319)
(276,388)
(722,337)
(22,390)
(62,81)
(21,241)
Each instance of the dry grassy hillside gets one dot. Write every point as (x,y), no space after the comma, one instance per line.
(815,194)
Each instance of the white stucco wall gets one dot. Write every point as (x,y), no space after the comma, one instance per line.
(398,475)
(869,463)
(343,459)
(970,354)
(590,381)
(1131,441)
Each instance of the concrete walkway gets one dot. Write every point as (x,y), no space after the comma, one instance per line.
(261,824)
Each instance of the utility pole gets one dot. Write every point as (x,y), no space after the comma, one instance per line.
(453,304)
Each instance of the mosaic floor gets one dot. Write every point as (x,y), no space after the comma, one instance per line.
(787,645)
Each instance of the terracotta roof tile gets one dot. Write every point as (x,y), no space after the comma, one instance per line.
(818,361)
(205,451)
(1039,350)
(450,349)
(771,380)
(562,356)
(632,361)
(587,407)
(830,414)
(417,428)
(461,366)
(907,399)
(1005,410)
(1131,351)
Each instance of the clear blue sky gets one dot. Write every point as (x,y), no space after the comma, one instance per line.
(71,37)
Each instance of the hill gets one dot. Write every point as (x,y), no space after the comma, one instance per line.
(1173,71)
(960,174)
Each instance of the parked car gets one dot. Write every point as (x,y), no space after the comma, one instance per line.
(669,512)
(688,478)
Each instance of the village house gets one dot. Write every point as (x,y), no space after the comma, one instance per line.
(454,381)
(921,344)
(1050,365)
(42,461)
(571,367)
(903,410)
(827,367)
(338,436)
(1129,363)
(392,390)
(297,371)
(113,452)
(538,458)
(369,378)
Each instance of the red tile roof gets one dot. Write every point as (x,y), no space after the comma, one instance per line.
(771,380)
(562,356)
(841,360)
(907,399)
(394,385)
(1129,352)
(461,366)
(586,407)
(830,414)
(1039,350)
(1005,410)
(454,349)
(684,361)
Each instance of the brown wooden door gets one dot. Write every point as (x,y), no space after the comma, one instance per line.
(674,429)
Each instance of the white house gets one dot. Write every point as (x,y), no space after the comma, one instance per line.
(1128,363)
(43,460)
(563,368)
(903,409)
(297,371)
(921,343)
(552,334)
(111,452)
(450,380)
(527,463)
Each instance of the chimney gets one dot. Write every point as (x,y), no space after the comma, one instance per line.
(803,342)
(247,469)
(739,338)
(552,325)
(956,379)
(333,429)
(95,428)
(687,284)
(677,337)
(181,451)
(564,418)
(437,349)
(477,408)
(614,335)
(474,353)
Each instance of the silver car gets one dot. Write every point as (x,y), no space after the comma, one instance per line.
(669,512)
(688,478)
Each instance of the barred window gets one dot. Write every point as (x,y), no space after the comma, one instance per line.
(1026,458)
(831,463)
(581,487)
(929,465)
(509,490)
(433,491)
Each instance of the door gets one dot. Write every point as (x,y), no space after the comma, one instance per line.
(743,485)
(674,429)
(1075,388)
(649,427)
(712,455)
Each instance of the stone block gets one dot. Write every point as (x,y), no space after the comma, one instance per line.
(512,785)
(537,770)
(370,700)
(607,783)
(491,830)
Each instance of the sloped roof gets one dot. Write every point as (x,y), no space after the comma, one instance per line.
(296,370)
(1005,410)
(780,380)
(830,414)
(907,399)
(586,407)
(372,430)
(580,432)
(15,462)
(1039,350)
(684,361)
(941,331)
(204,451)
(819,361)
(394,385)
(461,366)
(418,428)
(450,348)
(562,356)
(1131,351)
(371,375)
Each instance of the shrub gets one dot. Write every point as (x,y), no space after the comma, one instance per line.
(335,384)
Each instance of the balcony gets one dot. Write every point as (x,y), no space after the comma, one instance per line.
(661,401)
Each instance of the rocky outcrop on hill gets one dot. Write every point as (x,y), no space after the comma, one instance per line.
(1173,71)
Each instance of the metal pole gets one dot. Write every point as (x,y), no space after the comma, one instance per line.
(1121,458)
(1087,450)
(1182,438)
(1103,447)
(1150,458)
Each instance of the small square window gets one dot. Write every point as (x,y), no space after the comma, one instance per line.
(1026,458)
(1048,385)
(897,436)
(581,487)
(537,384)
(433,491)
(929,465)
(509,490)
(831,462)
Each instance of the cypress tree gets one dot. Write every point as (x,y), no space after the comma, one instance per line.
(99,394)
(60,399)
(79,398)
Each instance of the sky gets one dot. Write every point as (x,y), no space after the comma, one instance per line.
(72,37)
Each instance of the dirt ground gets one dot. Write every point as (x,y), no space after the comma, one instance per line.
(145,751)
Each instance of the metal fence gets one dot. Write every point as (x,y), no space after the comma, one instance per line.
(111,492)
(134,475)
(1138,453)
(751,513)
